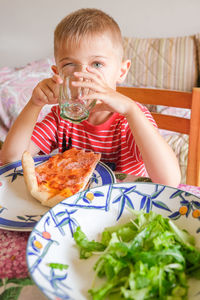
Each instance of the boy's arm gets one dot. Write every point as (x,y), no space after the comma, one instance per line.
(19,137)
(159,159)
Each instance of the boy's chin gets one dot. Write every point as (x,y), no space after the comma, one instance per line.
(99,107)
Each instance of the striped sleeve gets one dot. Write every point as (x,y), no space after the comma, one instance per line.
(147,113)
(131,159)
(130,139)
(45,132)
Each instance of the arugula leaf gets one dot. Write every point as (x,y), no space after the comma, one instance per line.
(147,258)
(182,235)
(86,247)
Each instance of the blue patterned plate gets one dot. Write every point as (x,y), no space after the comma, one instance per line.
(51,246)
(18,209)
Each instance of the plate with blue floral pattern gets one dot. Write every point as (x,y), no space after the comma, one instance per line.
(18,209)
(52,256)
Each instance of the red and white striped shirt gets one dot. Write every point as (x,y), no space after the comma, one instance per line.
(113,139)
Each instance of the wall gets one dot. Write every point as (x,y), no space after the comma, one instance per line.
(26,26)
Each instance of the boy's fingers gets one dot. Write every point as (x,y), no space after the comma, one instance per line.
(94,76)
(41,96)
(49,94)
(96,72)
(84,75)
(90,76)
(52,90)
(88,84)
(57,79)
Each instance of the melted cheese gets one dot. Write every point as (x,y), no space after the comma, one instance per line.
(64,173)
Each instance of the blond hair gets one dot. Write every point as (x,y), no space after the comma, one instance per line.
(86,22)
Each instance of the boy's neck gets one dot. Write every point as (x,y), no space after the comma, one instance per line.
(100,117)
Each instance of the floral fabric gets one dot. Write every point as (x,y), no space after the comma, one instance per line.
(16,86)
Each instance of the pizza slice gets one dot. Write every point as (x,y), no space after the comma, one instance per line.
(61,176)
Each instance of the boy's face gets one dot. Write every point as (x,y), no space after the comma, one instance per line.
(97,52)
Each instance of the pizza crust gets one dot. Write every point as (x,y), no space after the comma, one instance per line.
(41,193)
(30,178)
(28,166)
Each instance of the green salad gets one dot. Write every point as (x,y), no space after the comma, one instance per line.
(147,258)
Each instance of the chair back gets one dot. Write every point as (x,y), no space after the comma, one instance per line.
(179,99)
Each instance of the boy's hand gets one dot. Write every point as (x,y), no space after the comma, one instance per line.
(107,98)
(47,91)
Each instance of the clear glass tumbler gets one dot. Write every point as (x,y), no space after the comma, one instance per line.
(72,106)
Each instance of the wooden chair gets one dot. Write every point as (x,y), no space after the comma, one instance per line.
(189,100)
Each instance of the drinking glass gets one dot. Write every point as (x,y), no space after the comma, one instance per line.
(72,106)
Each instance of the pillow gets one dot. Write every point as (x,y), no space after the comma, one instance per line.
(166,63)
(179,144)
(16,86)
(197,39)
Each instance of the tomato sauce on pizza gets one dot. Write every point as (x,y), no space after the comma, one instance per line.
(65,172)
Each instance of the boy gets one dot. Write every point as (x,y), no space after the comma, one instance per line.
(88,42)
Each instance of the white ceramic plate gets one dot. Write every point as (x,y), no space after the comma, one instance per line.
(51,241)
(18,209)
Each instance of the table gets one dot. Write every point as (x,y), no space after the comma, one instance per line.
(13,256)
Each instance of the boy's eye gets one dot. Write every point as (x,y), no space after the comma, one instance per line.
(69,65)
(97,65)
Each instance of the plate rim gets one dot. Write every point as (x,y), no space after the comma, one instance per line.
(40,158)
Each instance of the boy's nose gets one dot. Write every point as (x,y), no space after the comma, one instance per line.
(82,68)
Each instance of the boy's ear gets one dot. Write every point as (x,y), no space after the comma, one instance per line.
(54,69)
(124,70)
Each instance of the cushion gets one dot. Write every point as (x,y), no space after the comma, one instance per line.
(168,63)
(16,86)
(179,144)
